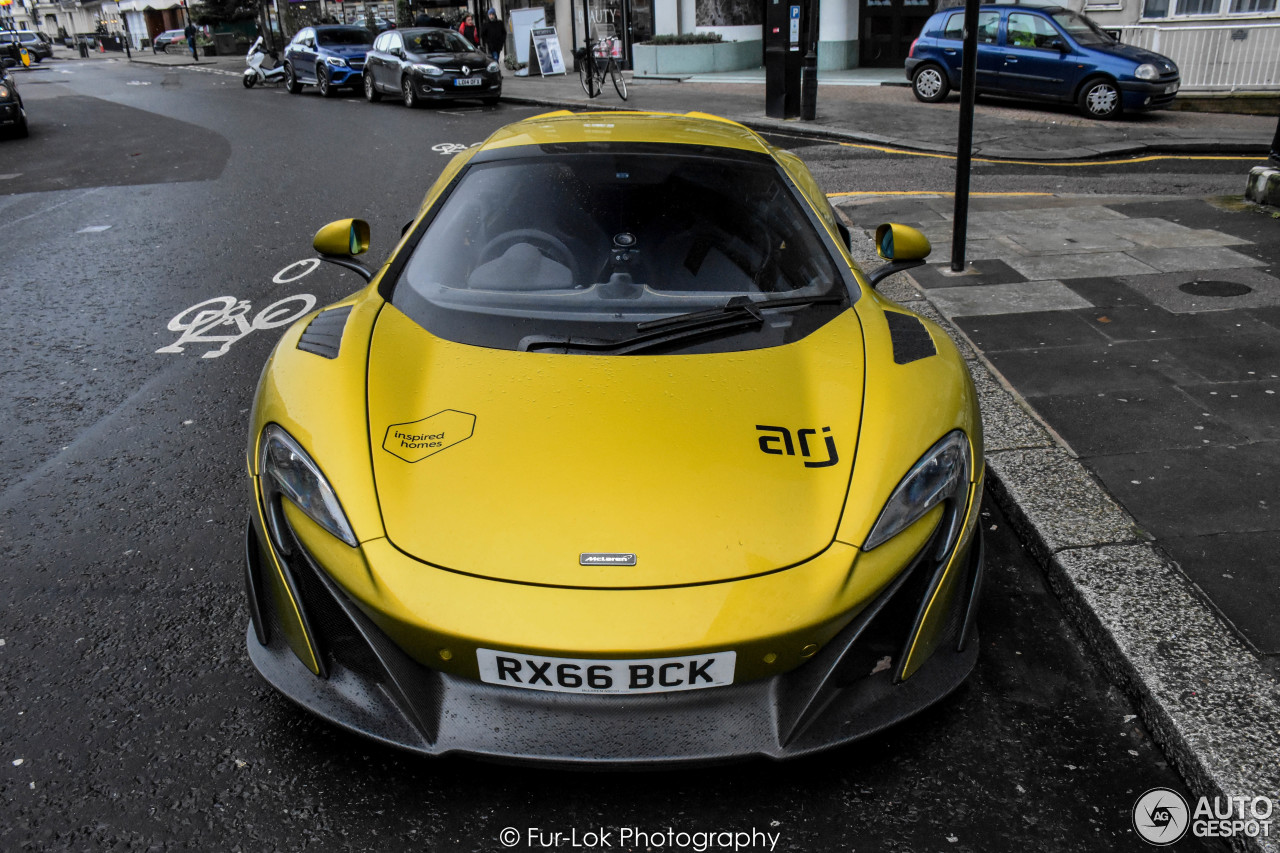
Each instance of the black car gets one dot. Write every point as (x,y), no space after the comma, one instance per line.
(13,118)
(429,64)
(13,40)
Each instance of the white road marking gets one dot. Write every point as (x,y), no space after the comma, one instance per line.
(223,320)
(93,229)
(307,265)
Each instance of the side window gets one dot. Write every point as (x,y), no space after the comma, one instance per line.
(382,42)
(955,27)
(1029,31)
(988,27)
(395,42)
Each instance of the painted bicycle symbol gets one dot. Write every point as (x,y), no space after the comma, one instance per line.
(225,320)
(449,148)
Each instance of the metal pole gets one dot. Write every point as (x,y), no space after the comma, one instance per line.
(964,143)
(1275,146)
(809,70)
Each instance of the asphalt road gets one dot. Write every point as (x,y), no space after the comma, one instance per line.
(130,717)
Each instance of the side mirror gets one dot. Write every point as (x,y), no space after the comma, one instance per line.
(902,246)
(339,242)
(1057,44)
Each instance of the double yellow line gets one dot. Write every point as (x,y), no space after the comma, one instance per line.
(1055,164)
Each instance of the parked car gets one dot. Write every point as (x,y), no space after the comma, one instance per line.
(620,459)
(13,116)
(169,37)
(1046,53)
(35,46)
(330,57)
(429,65)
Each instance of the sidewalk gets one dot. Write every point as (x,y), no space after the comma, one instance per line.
(875,106)
(1127,353)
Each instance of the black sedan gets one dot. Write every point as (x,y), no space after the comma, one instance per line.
(13,118)
(429,64)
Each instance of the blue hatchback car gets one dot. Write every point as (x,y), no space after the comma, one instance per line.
(330,57)
(1042,52)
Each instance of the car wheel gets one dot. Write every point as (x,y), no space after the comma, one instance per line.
(20,131)
(410,95)
(371,93)
(489,102)
(291,83)
(324,84)
(1100,99)
(930,84)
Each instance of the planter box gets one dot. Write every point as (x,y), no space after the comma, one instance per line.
(696,58)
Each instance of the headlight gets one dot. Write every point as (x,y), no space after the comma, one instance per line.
(285,470)
(1147,71)
(336,62)
(941,474)
(4,92)
(428,69)
(493,67)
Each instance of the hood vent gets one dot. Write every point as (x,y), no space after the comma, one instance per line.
(323,335)
(911,340)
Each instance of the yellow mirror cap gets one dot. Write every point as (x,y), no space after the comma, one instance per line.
(344,237)
(896,242)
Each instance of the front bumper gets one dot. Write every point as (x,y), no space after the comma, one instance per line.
(1137,96)
(351,76)
(445,89)
(369,685)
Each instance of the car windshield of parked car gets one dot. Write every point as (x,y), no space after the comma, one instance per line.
(1082,30)
(593,242)
(436,41)
(343,36)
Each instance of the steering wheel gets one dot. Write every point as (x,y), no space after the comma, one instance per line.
(551,247)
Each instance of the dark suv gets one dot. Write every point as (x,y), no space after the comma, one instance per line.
(1042,52)
(331,57)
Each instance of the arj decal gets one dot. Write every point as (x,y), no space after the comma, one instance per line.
(777,441)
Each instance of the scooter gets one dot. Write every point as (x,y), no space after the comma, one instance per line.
(255,73)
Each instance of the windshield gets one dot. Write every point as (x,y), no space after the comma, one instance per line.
(593,243)
(1081,29)
(436,41)
(350,35)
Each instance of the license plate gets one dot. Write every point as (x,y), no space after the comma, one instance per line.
(468,81)
(579,675)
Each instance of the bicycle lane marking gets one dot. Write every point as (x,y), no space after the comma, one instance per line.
(223,320)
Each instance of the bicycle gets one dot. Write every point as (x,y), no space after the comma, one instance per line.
(592,72)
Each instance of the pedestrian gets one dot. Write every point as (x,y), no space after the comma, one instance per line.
(190,33)
(468,29)
(494,35)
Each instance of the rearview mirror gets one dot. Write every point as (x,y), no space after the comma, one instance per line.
(903,246)
(339,242)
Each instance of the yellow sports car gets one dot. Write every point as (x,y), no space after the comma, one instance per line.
(618,459)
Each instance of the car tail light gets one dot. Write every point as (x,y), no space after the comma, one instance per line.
(912,51)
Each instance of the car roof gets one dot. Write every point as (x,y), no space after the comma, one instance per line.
(564,126)
(1047,8)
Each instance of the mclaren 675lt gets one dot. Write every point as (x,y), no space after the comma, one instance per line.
(618,459)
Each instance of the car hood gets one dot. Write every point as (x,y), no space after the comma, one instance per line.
(1140,55)
(354,51)
(521,466)
(453,61)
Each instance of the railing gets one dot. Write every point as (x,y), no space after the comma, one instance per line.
(1220,57)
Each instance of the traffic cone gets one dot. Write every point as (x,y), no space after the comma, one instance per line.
(102,48)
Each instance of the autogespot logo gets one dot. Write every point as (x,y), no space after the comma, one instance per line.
(1161,817)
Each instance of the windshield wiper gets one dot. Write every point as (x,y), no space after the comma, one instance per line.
(738,313)
(738,305)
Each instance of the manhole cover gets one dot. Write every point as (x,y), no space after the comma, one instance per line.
(1215,288)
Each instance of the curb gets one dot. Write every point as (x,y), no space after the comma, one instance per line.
(795,127)
(1204,696)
